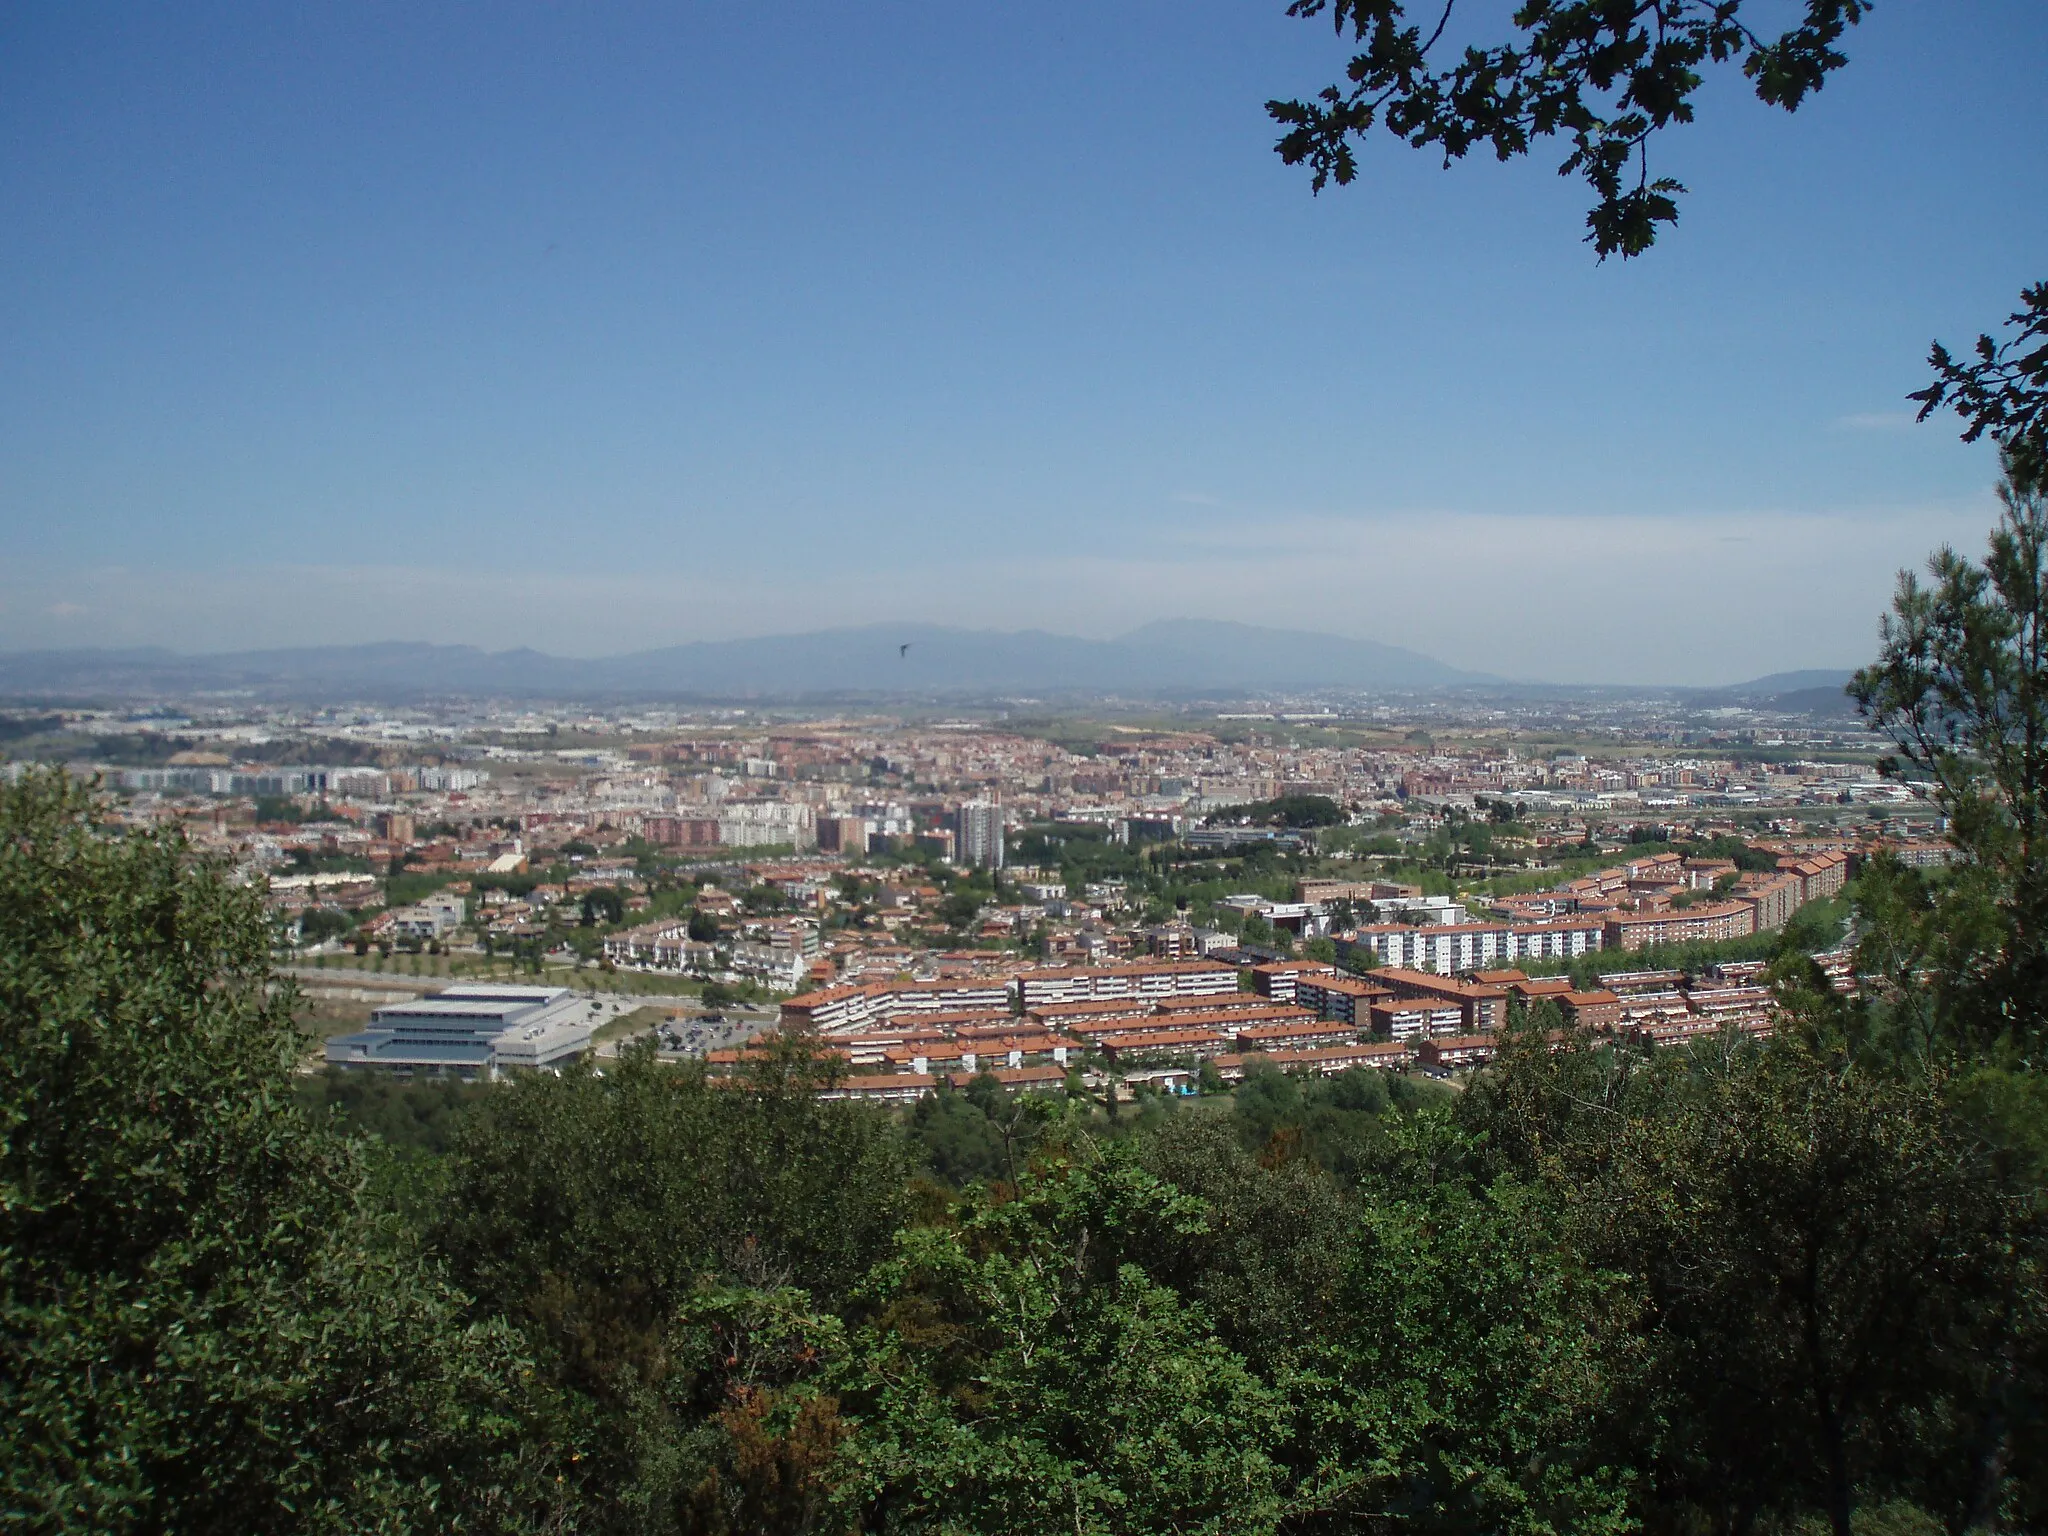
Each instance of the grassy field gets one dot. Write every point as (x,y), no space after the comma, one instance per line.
(626,1025)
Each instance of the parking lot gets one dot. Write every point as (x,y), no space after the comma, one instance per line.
(683,1027)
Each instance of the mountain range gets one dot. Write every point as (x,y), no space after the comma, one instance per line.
(1814,691)
(1172,657)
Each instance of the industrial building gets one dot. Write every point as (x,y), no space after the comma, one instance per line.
(472,1031)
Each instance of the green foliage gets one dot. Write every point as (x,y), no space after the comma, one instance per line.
(1270,1267)
(648,1177)
(983,1133)
(1082,853)
(1962,687)
(961,908)
(2004,391)
(417,1114)
(407,887)
(1334,1121)
(1028,1372)
(1735,850)
(1286,811)
(603,905)
(600,1213)
(956,1138)
(318,924)
(1827,1254)
(201,1325)
(1477,1374)
(1606,76)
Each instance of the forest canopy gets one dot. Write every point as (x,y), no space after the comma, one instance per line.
(1748,1284)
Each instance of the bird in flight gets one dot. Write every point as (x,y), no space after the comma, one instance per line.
(903,650)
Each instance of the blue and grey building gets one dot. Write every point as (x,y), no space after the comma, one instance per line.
(471,1030)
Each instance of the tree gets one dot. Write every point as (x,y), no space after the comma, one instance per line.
(2004,392)
(1961,687)
(616,1218)
(1826,1255)
(1270,1266)
(603,905)
(960,908)
(1026,1371)
(1477,1374)
(958,1141)
(1606,76)
(202,1325)
(318,924)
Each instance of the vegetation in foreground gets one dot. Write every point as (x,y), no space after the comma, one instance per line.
(1794,1283)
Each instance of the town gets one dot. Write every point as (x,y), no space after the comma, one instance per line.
(1108,905)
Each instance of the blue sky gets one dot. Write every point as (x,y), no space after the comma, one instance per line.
(594,328)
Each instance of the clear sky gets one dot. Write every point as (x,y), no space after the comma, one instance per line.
(596,327)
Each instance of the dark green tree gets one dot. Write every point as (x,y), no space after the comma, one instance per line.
(1829,1258)
(1962,688)
(1604,76)
(1477,1373)
(202,1325)
(617,1218)
(1027,1372)
(603,905)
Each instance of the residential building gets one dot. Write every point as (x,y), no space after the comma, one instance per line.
(979,834)
(1323,1061)
(1481,1008)
(1152,978)
(1707,924)
(1335,996)
(1448,948)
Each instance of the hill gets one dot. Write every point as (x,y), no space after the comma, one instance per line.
(1182,656)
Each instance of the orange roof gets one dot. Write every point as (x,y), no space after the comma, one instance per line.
(1429,981)
(1158,1039)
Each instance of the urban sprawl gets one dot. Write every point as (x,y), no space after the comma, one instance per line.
(1122,907)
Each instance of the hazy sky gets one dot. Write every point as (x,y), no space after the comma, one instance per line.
(600,327)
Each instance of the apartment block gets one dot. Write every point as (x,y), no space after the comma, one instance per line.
(1695,925)
(1277,979)
(1152,978)
(1775,898)
(1344,998)
(1410,1019)
(1447,948)
(1480,1007)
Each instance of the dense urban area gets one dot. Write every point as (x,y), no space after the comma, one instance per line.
(1137,905)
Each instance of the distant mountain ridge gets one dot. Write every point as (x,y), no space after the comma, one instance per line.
(1777,683)
(1188,656)
(1812,691)
(1173,657)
